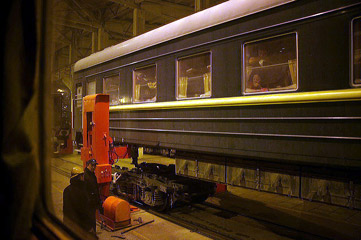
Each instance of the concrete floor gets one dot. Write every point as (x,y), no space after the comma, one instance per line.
(159,229)
(321,219)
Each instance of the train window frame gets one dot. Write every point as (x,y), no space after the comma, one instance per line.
(76,103)
(76,95)
(86,86)
(133,83)
(352,80)
(244,70)
(177,75)
(103,88)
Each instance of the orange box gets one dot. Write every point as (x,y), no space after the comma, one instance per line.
(221,188)
(122,151)
(103,173)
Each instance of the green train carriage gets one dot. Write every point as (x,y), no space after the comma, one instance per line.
(264,96)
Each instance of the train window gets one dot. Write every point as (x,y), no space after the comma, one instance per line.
(356,51)
(78,104)
(194,76)
(111,86)
(145,84)
(270,65)
(91,87)
(79,95)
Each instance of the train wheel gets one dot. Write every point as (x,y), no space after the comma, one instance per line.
(165,205)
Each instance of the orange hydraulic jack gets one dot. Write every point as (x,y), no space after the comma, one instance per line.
(97,144)
(96,138)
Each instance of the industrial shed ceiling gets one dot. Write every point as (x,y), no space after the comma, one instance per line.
(82,27)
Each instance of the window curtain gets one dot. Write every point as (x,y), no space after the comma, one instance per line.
(292,64)
(207,83)
(182,87)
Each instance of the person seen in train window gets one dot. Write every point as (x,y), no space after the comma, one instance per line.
(75,201)
(255,83)
(273,69)
(274,60)
(262,58)
(92,189)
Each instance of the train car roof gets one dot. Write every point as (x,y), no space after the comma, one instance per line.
(224,12)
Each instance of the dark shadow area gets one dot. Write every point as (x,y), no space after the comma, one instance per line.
(297,226)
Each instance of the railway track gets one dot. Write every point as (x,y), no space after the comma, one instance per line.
(219,223)
(61,171)
(63,166)
(196,224)
(213,221)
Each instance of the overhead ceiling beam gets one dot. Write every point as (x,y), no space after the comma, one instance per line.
(82,25)
(127,3)
(119,36)
(84,18)
(81,12)
(158,7)
(172,6)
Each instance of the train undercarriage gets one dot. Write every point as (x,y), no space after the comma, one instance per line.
(157,186)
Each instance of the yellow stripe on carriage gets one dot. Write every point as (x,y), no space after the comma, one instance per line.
(269,99)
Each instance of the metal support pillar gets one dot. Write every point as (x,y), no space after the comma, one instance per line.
(138,22)
(200,5)
(102,38)
(94,42)
(73,50)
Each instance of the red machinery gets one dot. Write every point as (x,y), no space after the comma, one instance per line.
(98,145)
(96,138)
